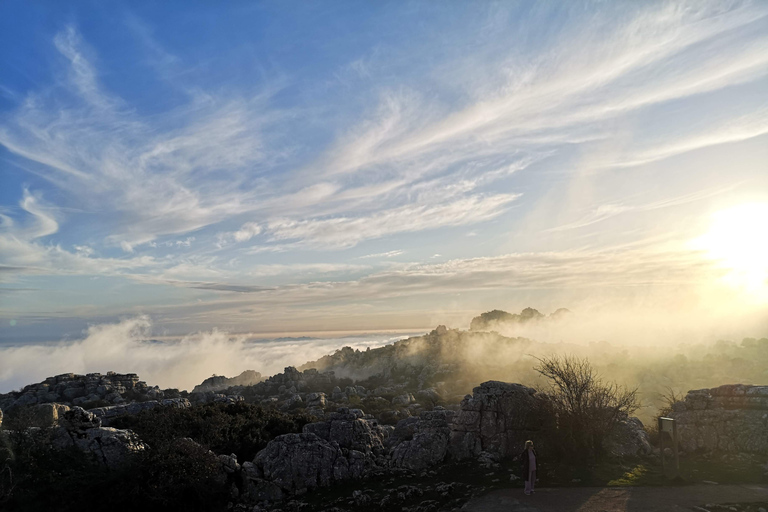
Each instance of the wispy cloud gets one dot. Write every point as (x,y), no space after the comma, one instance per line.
(256,192)
(343,232)
(388,254)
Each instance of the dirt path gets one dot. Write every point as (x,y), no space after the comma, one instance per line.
(616,499)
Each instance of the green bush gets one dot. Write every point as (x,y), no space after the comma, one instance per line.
(240,428)
(177,472)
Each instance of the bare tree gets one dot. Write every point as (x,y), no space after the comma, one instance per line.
(668,398)
(586,409)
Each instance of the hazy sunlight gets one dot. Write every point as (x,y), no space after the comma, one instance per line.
(737,239)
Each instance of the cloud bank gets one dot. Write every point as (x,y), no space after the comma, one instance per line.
(128,347)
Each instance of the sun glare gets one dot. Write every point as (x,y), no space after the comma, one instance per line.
(738,238)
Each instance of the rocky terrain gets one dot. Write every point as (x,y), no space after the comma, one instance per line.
(220,382)
(379,417)
(93,389)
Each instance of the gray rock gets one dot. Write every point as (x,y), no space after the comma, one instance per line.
(316,400)
(731,418)
(110,446)
(429,439)
(629,438)
(229,463)
(295,463)
(47,415)
(497,418)
(403,400)
(78,419)
(108,413)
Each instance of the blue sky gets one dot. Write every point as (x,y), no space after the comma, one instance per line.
(302,166)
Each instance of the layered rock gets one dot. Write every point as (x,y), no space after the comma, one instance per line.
(730,418)
(424,442)
(46,415)
(110,446)
(106,414)
(72,389)
(497,418)
(349,445)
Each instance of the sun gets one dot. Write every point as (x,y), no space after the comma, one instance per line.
(738,239)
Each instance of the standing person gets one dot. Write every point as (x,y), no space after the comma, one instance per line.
(529,466)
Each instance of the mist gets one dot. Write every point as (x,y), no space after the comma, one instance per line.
(128,347)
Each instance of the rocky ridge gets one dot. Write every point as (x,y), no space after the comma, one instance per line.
(73,389)
(220,382)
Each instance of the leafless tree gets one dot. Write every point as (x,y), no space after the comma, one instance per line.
(586,408)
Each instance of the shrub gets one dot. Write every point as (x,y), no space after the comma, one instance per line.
(585,408)
(239,428)
(177,472)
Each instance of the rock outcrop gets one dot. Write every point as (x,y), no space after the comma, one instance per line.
(497,319)
(110,446)
(731,418)
(497,418)
(72,389)
(629,438)
(424,442)
(348,445)
(106,414)
(220,383)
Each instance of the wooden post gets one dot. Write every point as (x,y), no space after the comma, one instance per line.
(676,449)
(661,448)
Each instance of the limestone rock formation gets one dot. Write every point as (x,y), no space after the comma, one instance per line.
(72,389)
(350,429)
(629,438)
(220,383)
(106,414)
(497,418)
(297,462)
(423,442)
(348,445)
(730,418)
(110,446)
(47,415)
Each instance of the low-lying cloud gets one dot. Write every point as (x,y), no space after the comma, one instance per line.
(128,347)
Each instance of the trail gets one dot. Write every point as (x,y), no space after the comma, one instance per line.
(617,499)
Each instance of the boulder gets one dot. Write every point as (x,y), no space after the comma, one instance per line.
(294,463)
(78,419)
(423,442)
(316,399)
(229,463)
(349,429)
(629,438)
(497,418)
(47,415)
(110,446)
(403,400)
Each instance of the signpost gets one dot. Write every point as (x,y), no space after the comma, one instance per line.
(668,426)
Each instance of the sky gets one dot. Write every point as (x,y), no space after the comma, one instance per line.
(284,167)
